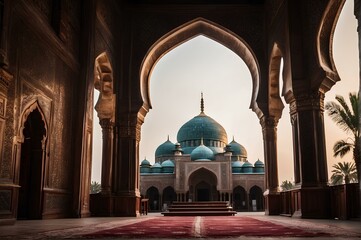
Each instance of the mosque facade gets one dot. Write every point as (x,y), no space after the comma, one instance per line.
(202,166)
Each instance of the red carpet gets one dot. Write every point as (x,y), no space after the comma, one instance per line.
(206,227)
(161,227)
(247,226)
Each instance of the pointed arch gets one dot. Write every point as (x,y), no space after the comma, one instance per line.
(201,168)
(29,108)
(198,26)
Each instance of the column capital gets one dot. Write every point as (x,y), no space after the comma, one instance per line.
(307,101)
(269,122)
(130,126)
(106,123)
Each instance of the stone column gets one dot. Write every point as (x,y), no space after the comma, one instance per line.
(126,172)
(107,154)
(307,112)
(269,131)
(310,151)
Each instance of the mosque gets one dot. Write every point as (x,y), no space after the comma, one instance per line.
(201,166)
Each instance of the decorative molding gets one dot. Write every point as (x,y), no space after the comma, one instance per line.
(307,101)
(5,79)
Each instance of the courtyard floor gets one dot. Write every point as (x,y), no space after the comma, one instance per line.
(155,226)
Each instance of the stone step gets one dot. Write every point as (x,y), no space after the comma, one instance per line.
(176,209)
(199,209)
(200,213)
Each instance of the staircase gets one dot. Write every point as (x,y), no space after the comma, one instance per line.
(199,209)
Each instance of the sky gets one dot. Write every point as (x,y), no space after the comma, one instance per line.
(203,65)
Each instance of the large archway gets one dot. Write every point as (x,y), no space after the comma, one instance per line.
(203,185)
(199,26)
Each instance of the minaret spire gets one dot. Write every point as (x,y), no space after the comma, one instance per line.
(202,103)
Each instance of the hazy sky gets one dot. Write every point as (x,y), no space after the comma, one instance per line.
(203,65)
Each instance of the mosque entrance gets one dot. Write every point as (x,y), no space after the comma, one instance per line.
(203,186)
(31,168)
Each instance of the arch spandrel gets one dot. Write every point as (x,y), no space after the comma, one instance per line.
(199,26)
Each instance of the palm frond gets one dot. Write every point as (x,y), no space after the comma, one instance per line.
(341,148)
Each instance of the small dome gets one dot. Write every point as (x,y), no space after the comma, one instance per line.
(258,167)
(238,149)
(145,163)
(202,153)
(167,163)
(156,168)
(165,148)
(237,164)
(259,163)
(247,167)
(145,166)
(237,167)
(167,166)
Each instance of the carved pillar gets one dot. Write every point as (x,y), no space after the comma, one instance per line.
(126,173)
(269,131)
(307,113)
(106,177)
(310,155)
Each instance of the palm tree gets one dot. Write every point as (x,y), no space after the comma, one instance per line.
(348,120)
(286,185)
(343,172)
(95,187)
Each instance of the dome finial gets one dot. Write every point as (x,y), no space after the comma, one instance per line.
(168,138)
(202,141)
(202,102)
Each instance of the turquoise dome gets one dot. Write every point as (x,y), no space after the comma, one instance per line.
(237,167)
(145,163)
(259,163)
(247,167)
(156,168)
(202,153)
(168,166)
(238,149)
(145,166)
(165,148)
(258,167)
(202,126)
(167,163)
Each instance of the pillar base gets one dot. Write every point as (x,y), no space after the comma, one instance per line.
(272,203)
(114,206)
(311,203)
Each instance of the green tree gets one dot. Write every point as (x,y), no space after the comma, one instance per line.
(286,185)
(348,119)
(94,187)
(343,173)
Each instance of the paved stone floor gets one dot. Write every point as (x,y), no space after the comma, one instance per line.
(69,228)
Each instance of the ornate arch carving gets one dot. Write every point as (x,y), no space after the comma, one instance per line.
(199,26)
(34,103)
(103,82)
(324,43)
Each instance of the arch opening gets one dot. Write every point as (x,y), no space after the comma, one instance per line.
(202,185)
(32,166)
(190,30)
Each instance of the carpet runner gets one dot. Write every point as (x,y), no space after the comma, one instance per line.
(202,227)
